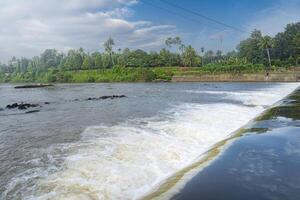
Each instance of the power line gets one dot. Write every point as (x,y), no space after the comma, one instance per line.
(180,15)
(202,16)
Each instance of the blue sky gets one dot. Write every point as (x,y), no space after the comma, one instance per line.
(30,26)
(228,11)
(243,14)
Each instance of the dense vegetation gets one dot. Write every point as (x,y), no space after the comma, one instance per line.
(257,54)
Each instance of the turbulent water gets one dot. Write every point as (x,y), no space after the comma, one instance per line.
(121,148)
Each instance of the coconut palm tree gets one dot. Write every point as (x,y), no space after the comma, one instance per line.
(108,46)
(267,43)
(174,41)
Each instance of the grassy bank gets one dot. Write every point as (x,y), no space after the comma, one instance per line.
(121,74)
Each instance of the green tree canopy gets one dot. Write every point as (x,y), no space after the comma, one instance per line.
(190,58)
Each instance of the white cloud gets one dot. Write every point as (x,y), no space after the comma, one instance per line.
(30,26)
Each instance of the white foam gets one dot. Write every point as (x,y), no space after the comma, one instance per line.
(128,160)
(262,97)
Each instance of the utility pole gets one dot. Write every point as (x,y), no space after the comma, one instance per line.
(220,38)
(221,42)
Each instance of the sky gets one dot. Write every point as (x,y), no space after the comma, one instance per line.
(28,27)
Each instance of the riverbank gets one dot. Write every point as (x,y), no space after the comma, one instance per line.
(251,73)
(243,77)
(262,162)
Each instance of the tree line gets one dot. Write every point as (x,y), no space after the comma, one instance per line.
(281,50)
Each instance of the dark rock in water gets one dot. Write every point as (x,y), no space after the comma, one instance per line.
(33,86)
(105,97)
(32,111)
(14,105)
(21,106)
(101,98)
(47,103)
(26,106)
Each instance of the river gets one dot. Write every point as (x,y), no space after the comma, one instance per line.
(120,148)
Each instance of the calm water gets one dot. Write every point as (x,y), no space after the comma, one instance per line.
(121,148)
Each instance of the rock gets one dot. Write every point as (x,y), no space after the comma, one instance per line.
(21,106)
(14,105)
(104,97)
(101,98)
(33,86)
(47,103)
(32,111)
(24,106)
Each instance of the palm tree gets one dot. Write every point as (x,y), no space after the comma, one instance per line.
(174,41)
(267,43)
(108,46)
(202,59)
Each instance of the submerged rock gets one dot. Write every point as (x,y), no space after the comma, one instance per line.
(25,106)
(33,86)
(105,97)
(32,111)
(14,105)
(22,106)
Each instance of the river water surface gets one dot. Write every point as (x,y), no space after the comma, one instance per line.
(120,148)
